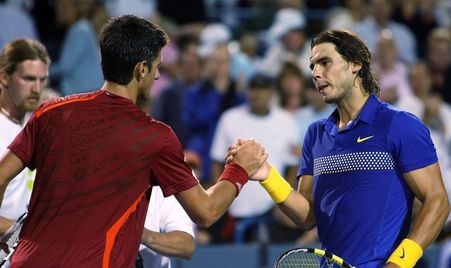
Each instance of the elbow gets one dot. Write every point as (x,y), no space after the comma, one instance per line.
(205,221)
(441,206)
(307,226)
(446,208)
(189,250)
(309,223)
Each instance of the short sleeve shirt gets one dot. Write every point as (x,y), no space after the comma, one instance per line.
(96,155)
(360,196)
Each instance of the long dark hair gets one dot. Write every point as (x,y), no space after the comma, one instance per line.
(354,50)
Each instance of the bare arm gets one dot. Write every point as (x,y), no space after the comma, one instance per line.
(174,244)
(5,223)
(206,206)
(427,185)
(299,205)
(10,166)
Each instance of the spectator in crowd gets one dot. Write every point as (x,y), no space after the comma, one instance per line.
(290,85)
(315,109)
(348,15)
(379,19)
(389,70)
(257,120)
(205,101)
(218,34)
(420,17)
(439,61)
(168,106)
(24,67)
(78,67)
(442,11)
(15,23)
(286,41)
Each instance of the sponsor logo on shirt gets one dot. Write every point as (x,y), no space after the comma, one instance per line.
(359,140)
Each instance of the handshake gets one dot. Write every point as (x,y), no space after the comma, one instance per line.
(252,157)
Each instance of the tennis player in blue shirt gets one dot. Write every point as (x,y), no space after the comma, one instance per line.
(362,167)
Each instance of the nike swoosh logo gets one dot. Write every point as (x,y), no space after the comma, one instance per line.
(359,140)
(403,254)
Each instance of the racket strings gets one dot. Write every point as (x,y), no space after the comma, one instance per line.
(305,260)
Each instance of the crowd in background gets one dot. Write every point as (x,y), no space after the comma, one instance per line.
(240,68)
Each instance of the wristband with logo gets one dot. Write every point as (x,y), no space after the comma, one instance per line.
(276,186)
(406,254)
(236,174)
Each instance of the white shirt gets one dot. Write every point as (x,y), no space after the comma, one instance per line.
(165,214)
(276,132)
(18,192)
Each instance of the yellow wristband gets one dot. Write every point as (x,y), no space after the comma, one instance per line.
(406,254)
(276,186)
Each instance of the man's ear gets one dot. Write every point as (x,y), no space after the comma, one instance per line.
(141,68)
(355,67)
(4,79)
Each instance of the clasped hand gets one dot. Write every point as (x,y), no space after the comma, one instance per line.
(251,156)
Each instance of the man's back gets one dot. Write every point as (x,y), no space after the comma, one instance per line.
(96,155)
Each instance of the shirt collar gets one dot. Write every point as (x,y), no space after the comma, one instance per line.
(367,115)
(369,110)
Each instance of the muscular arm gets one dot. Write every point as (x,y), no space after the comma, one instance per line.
(427,185)
(206,206)
(174,244)
(299,205)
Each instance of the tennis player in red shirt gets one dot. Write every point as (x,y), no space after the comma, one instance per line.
(97,156)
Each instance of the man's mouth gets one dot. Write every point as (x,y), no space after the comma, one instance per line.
(33,98)
(322,87)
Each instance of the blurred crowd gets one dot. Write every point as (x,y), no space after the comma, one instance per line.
(240,68)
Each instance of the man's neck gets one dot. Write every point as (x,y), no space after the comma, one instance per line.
(12,112)
(350,110)
(124,91)
(14,117)
(260,111)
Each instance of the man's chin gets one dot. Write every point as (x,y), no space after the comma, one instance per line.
(29,108)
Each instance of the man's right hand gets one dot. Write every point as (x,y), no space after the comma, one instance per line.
(262,173)
(250,155)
